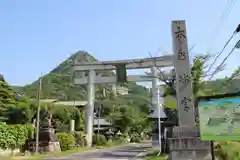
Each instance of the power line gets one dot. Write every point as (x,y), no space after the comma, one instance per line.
(224,47)
(222,63)
(226,12)
(220,53)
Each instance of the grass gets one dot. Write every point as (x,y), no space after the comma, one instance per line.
(53,154)
(57,154)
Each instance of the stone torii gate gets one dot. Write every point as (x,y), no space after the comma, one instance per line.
(185,143)
(92,67)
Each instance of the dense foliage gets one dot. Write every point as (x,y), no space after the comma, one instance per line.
(67,140)
(80,139)
(227,150)
(14,136)
(99,139)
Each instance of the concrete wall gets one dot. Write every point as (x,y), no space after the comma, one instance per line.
(8,151)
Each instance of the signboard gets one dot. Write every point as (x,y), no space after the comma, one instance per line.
(220,119)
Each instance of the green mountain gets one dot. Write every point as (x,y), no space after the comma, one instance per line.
(58,84)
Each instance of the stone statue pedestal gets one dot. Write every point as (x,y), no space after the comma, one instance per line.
(47,134)
(48,141)
(186,144)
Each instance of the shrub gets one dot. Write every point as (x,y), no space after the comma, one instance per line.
(14,136)
(67,141)
(120,140)
(227,150)
(30,131)
(99,139)
(80,139)
(135,137)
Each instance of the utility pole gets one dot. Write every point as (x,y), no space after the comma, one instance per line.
(160,102)
(38,114)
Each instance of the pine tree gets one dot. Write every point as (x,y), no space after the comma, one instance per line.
(7,97)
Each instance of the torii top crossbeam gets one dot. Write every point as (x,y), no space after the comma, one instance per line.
(163,61)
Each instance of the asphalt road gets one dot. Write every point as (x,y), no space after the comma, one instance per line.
(128,152)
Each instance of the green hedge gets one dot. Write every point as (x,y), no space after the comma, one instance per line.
(120,140)
(227,150)
(135,137)
(14,136)
(67,141)
(99,140)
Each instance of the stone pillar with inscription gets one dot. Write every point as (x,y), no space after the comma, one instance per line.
(185,143)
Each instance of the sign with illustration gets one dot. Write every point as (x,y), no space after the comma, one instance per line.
(220,119)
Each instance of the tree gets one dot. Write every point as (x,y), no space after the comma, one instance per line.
(126,117)
(6,94)
(229,82)
(197,73)
(22,112)
(7,98)
(127,112)
(198,84)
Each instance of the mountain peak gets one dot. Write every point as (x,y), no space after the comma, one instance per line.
(65,66)
(83,56)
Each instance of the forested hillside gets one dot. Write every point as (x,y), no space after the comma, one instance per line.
(57,84)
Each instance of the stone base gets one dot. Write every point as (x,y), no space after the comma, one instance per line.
(45,147)
(186,144)
(47,134)
(155,141)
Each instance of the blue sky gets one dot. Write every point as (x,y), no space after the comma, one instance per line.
(38,35)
